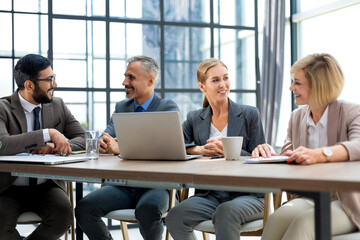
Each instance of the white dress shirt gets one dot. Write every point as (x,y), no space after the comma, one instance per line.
(28,110)
(215,133)
(317,134)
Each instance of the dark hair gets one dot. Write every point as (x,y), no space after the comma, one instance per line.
(29,67)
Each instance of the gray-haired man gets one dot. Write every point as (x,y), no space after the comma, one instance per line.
(149,204)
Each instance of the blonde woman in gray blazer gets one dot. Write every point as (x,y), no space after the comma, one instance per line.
(324,130)
(203,129)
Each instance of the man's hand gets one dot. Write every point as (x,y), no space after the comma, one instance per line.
(47,149)
(108,144)
(61,144)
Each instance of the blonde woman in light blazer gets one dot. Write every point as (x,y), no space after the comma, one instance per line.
(324,130)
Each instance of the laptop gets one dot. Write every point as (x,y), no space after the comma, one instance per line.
(150,136)
(42,159)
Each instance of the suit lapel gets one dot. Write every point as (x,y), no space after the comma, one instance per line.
(154,104)
(332,125)
(130,106)
(205,122)
(304,129)
(18,111)
(234,121)
(47,112)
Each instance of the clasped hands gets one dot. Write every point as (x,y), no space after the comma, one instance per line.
(213,147)
(108,144)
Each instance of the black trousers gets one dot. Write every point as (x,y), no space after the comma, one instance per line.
(47,200)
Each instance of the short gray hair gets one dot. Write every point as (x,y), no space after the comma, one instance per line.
(148,64)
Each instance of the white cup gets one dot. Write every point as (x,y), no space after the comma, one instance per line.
(92,144)
(232,147)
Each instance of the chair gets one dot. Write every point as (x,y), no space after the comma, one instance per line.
(128,216)
(349,236)
(253,228)
(33,218)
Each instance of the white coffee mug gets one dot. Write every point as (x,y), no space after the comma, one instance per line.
(232,147)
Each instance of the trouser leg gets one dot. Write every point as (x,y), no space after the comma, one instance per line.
(10,209)
(230,215)
(47,200)
(55,210)
(303,225)
(278,222)
(149,209)
(182,218)
(97,204)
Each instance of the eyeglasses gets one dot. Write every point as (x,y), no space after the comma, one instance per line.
(52,79)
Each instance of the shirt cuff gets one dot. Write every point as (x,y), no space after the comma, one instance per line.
(46,135)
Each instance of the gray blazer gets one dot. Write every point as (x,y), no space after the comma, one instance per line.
(243,121)
(343,128)
(128,105)
(14,137)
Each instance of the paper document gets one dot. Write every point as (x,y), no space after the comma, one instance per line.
(272,159)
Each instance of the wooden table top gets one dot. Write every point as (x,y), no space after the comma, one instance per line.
(342,176)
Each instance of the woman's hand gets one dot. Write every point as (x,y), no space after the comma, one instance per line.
(213,147)
(262,150)
(306,156)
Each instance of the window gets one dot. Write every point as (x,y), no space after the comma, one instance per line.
(90,41)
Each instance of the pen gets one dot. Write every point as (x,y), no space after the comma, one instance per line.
(218,156)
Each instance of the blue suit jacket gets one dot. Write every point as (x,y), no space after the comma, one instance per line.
(243,121)
(128,105)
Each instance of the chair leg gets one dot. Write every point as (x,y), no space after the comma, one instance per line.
(206,236)
(167,236)
(124,230)
(69,192)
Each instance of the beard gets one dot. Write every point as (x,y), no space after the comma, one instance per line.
(40,96)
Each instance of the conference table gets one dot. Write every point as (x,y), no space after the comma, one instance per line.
(313,181)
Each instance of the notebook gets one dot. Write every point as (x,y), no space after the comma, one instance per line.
(273,159)
(42,159)
(150,136)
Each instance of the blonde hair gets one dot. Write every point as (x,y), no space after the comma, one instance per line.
(202,73)
(326,79)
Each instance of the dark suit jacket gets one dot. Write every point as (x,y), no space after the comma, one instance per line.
(343,128)
(128,105)
(14,137)
(243,121)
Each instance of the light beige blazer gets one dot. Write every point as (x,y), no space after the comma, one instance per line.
(343,128)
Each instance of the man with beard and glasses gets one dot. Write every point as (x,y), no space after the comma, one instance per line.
(33,121)
(149,204)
